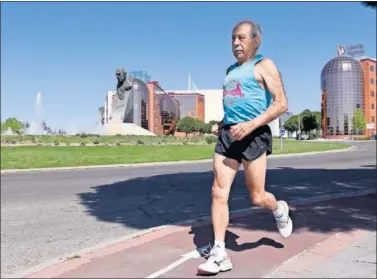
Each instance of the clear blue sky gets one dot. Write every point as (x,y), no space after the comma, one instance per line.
(69,51)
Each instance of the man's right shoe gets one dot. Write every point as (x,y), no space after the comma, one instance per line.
(284,223)
(218,261)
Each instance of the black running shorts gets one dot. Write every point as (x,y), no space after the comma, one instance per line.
(249,148)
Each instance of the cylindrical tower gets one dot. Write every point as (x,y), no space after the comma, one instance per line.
(342,84)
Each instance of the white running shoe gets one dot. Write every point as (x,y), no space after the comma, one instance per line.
(284,223)
(217,261)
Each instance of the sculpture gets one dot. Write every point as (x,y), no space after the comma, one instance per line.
(147,106)
(122,106)
(124,82)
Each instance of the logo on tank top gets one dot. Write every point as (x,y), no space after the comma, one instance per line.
(233,88)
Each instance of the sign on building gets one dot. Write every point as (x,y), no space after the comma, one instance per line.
(370,126)
(351,50)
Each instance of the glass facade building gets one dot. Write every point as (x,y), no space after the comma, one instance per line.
(169,110)
(141,75)
(191,105)
(342,84)
(146,105)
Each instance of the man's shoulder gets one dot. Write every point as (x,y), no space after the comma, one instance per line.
(230,68)
(266,63)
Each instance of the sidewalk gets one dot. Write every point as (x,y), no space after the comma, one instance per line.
(334,238)
(355,261)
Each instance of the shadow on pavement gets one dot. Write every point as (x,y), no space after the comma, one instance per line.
(203,235)
(339,215)
(158,200)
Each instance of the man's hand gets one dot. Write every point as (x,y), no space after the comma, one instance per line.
(215,130)
(241,130)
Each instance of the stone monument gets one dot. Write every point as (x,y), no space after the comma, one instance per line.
(124,112)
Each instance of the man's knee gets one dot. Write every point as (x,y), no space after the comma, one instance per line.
(219,194)
(258,198)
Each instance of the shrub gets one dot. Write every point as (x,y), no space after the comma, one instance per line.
(188,125)
(211,139)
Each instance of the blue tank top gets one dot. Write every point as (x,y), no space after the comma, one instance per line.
(243,97)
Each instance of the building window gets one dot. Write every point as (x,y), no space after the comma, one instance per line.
(372,93)
(372,81)
(372,119)
(372,106)
(371,68)
(357,105)
(346,124)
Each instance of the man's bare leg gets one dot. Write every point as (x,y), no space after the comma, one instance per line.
(225,170)
(255,176)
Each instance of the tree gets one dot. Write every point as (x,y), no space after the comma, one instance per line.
(199,126)
(291,125)
(358,121)
(13,123)
(188,125)
(208,126)
(318,118)
(309,123)
(26,125)
(369,4)
(309,120)
(46,128)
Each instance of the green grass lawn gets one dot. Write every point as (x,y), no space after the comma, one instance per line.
(24,157)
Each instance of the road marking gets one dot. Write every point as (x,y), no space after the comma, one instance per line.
(168,268)
(194,254)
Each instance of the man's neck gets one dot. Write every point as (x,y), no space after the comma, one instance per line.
(247,60)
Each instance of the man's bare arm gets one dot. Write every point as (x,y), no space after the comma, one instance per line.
(275,86)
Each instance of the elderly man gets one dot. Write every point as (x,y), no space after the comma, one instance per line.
(253,96)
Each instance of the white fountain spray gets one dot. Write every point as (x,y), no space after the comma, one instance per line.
(8,132)
(36,126)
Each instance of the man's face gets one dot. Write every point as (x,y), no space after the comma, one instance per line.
(120,76)
(243,45)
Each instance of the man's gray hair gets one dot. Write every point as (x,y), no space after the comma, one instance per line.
(256,31)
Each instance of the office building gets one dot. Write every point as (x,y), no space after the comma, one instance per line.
(191,104)
(347,84)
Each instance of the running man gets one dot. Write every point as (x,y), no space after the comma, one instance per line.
(253,96)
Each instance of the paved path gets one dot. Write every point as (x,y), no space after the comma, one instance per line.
(53,214)
(253,243)
(357,260)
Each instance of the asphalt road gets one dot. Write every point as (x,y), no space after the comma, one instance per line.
(45,215)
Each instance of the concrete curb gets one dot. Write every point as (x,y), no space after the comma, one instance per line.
(92,253)
(164,163)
